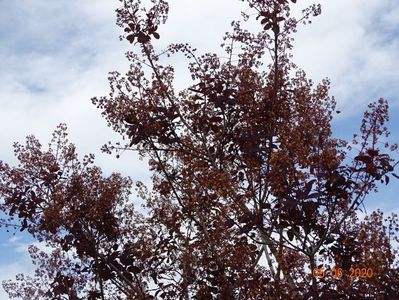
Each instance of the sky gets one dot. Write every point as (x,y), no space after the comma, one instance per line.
(55,56)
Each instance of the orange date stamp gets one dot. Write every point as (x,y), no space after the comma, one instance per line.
(354,273)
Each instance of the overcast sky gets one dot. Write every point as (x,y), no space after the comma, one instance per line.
(56,55)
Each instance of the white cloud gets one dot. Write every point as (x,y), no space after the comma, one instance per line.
(18,260)
(348,44)
(51,77)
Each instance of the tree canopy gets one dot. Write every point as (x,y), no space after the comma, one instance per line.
(252,197)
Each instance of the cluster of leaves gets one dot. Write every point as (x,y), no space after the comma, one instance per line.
(54,278)
(250,190)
